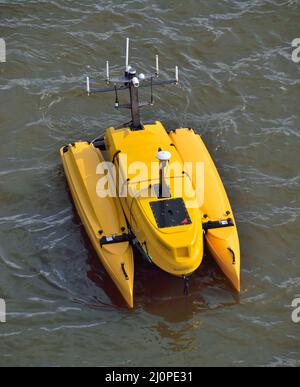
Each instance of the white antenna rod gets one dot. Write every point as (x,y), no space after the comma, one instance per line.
(177,74)
(127,54)
(157,65)
(107,73)
(88,88)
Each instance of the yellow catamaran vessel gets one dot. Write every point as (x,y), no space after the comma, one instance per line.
(137,188)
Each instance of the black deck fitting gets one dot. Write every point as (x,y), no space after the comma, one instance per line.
(218,224)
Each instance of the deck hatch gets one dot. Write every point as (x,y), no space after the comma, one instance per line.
(170,213)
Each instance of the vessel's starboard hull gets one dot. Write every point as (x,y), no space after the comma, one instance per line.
(101,217)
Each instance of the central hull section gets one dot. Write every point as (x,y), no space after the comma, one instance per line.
(168,229)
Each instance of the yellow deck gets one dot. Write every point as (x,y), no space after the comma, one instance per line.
(177,250)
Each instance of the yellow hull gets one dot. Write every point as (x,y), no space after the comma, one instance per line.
(176,249)
(169,231)
(223,243)
(101,217)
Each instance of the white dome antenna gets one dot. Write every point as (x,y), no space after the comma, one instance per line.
(163,157)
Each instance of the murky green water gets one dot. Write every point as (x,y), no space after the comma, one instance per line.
(240,89)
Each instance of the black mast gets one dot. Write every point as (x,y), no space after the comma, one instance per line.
(134,100)
(132,82)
